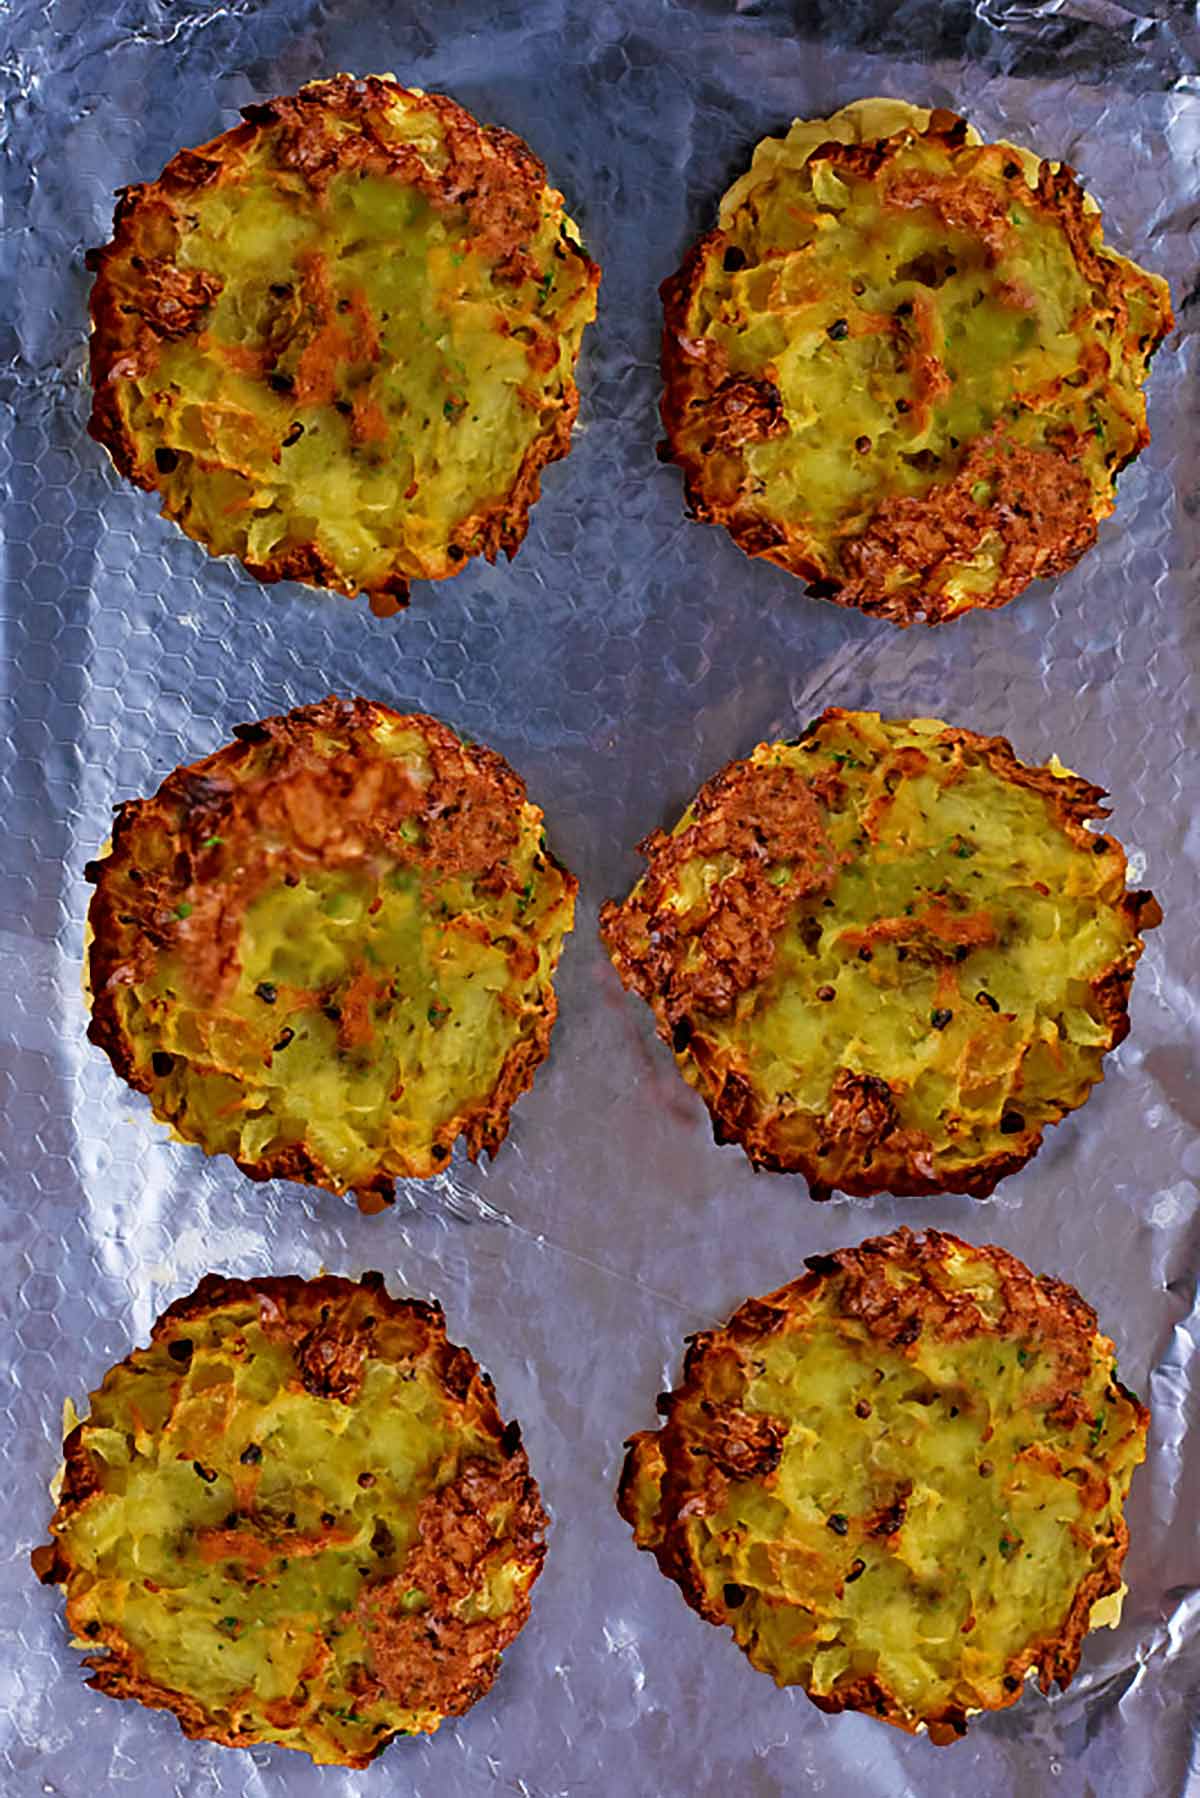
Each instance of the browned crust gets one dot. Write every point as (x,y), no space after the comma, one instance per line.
(759,817)
(327,808)
(490,171)
(1034,1307)
(1042,508)
(461,1659)
(435,1659)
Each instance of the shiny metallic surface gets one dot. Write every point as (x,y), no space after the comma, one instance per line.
(624,656)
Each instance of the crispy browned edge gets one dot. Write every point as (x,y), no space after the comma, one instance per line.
(311,1311)
(206,792)
(1051,493)
(862,1116)
(498,524)
(899,1318)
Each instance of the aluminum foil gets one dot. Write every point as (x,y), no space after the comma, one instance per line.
(624,656)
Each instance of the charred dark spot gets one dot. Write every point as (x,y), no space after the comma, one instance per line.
(266,992)
(733,260)
(207,1474)
(1011,1683)
(382,1540)
(837,1523)
(181,1350)
(251,1455)
(863,1408)
(862,444)
(1011,1123)
(890,1518)
(866,954)
(285,1037)
(681,1035)
(826,993)
(510,1441)
(734,1595)
(166,460)
(982,998)
(280,383)
(366,1480)
(1099,846)
(857,1569)
(838,329)
(294,435)
(456,552)
(940,1018)
(162,1063)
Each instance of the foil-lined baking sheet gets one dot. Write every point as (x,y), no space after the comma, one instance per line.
(624,656)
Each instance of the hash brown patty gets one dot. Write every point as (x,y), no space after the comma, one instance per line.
(905,366)
(339,340)
(899,1480)
(297,1517)
(328,949)
(887,954)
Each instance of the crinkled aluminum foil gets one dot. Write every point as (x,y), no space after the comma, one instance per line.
(625,655)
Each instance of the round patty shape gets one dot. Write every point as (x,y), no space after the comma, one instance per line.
(887,954)
(328,949)
(905,366)
(900,1479)
(297,1517)
(339,340)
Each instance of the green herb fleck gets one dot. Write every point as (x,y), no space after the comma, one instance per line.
(183,909)
(437,1014)
(1008,1547)
(1024,1357)
(212,842)
(780,876)
(1096,1431)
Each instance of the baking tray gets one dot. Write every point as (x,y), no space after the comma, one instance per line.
(624,656)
